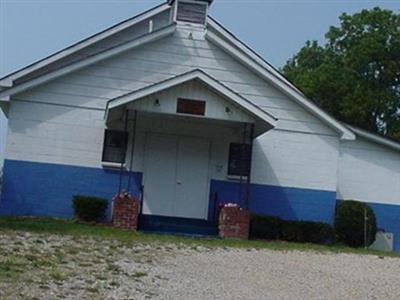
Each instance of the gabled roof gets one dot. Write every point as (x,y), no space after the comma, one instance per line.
(144,39)
(229,43)
(216,34)
(376,138)
(196,74)
(7,80)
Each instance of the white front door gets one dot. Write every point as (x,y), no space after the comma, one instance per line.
(176,176)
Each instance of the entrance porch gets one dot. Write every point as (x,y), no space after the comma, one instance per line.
(181,135)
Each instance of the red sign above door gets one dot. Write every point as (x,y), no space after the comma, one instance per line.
(192,107)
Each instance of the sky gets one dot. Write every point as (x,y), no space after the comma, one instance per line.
(276,29)
(33,29)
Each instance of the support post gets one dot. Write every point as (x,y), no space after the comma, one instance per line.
(132,150)
(248,183)
(121,169)
(242,149)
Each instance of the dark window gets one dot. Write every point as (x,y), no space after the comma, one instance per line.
(192,12)
(114,147)
(239,159)
(193,107)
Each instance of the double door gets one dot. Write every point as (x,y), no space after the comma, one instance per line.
(176,173)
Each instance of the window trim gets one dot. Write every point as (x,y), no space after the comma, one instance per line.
(111,165)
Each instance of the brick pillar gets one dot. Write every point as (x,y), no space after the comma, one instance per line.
(125,212)
(234,222)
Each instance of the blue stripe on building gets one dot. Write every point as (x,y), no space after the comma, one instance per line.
(41,189)
(388,219)
(285,202)
(297,204)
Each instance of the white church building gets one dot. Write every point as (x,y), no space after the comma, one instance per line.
(174,108)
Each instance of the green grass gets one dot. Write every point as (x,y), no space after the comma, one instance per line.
(58,226)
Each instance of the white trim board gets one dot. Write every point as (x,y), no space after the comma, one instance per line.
(375,138)
(147,38)
(185,77)
(7,81)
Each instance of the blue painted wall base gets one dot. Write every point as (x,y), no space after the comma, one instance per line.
(388,219)
(287,203)
(296,204)
(40,189)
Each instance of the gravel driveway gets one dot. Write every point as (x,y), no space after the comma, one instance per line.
(36,266)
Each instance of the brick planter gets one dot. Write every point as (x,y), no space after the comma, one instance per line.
(125,212)
(234,222)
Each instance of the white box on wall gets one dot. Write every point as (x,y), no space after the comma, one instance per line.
(383,242)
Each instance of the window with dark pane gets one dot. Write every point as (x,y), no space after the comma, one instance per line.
(114,147)
(239,159)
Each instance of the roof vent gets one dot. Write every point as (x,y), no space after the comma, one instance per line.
(191,11)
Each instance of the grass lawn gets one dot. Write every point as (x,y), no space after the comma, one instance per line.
(64,227)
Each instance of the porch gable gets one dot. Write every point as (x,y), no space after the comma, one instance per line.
(221,102)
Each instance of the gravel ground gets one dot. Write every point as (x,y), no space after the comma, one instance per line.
(37,266)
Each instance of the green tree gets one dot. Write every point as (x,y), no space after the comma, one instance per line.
(355,76)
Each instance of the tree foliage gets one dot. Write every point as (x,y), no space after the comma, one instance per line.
(355,76)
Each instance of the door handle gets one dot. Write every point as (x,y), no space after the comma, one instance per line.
(179,182)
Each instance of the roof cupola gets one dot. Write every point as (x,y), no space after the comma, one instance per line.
(190,11)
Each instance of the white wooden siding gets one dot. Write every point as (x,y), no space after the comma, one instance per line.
(152,63)
(369,172)
(295,160)
(301,152)
(215,105)
(55,134)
